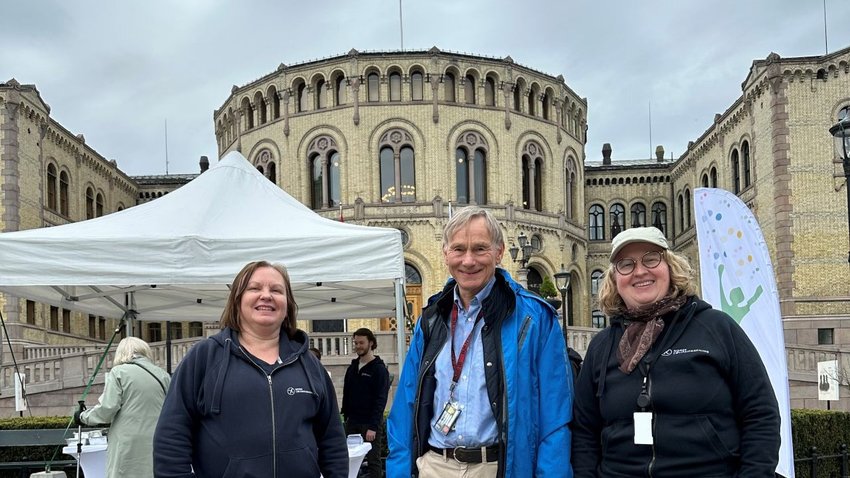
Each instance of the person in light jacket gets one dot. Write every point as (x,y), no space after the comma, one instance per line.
(131,401)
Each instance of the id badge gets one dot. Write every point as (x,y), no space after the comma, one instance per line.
(643,428)
(448,418)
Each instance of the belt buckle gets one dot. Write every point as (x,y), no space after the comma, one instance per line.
(462,450)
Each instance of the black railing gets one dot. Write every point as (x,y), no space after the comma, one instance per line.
(823,466)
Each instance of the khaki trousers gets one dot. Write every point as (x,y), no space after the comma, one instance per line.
(434,465)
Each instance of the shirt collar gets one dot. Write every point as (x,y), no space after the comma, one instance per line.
(479,297)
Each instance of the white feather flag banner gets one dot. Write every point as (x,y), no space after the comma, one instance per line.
(737,278)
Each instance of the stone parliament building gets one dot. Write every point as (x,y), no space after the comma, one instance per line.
(398,139)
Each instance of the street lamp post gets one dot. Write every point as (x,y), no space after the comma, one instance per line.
(526,248)
(841,133)
(562,282)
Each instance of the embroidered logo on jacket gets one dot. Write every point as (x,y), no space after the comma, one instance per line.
(294,390)
(670,352)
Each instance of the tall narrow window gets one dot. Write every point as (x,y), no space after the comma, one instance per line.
(490,92)
(31,312)
(374,87)
(517,98)
(395,87)
(92,326)
(66,321)
(638,215)
(449,84)
(176,330)
(618,219)
(471,168)
(659,217)
(301,98)
(712,176)
(532,176)
(101,327)
(745,157)
(54,318)
(321,95)
(51,187)
(324,162)
(479,177)
(98,205)
(462,173)
(547,103)
(704,180)
(532,101)
(89,203)
(736,173)
(63,193)
(339,91)
(687,211)
(595,282)
(416,86)
(469,87)
(262,108)
(397,167)
(596,223)
(681,213)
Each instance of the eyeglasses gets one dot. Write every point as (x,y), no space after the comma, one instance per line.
(650,260)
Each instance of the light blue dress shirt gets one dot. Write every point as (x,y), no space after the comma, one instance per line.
(476,425)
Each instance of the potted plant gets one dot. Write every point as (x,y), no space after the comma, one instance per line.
(550,293)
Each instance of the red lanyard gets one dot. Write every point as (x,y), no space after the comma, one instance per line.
(457,363)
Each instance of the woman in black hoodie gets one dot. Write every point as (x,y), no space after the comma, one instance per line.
(672,387)
(250,401)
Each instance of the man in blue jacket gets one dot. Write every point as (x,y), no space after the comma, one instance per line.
(486,390)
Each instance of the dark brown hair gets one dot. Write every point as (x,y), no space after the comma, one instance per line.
(364,332)
(230,316)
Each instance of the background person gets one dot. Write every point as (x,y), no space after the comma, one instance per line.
(251,401)
(671,374)
(132,397)
(364,396)
(486,389)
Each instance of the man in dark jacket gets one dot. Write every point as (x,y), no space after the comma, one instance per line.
(364,396)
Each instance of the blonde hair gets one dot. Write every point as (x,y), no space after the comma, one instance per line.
(681,283)
(230,315)
(129,347)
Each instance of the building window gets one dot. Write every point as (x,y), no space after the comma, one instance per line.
(469,90)
(659,217)
(532,100)
(51,187)
(339,91)
(618,219)
(54,318)
(63,193)
(826,337)
(266,165)
(416,86)
(471,168)
(638,215)
(324,172)
(519,89)
(490,92)
(595,282)
(713,176)
(570,188)
(736,173)
(704,180)
(248,111)
(745,157)
(101,328)
(596,223)
(397,167)
(449,86)
(92,326)
(31,312)
(301,98)
(681,213)
(89,203)
(547,101)
(196,329)
(321,96)
(373,86)
(176,329)
(687,211)
(395,87)
(598,319)
(98,205)
(532,177)
(154,332)
(66,321)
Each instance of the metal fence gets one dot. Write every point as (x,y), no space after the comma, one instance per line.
(822,466)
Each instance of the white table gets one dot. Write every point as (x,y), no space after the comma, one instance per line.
(93,460)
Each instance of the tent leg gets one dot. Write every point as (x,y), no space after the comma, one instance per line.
(401,323)
(168,346)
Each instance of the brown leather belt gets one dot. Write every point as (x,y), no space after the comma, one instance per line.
(469,455)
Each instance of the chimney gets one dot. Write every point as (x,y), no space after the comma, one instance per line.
(606,154)
(205,163)
(659,153)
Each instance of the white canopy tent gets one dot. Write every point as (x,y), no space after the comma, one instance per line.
(173,258)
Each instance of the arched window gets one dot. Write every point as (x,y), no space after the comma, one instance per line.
(275,102)
(745,157)
(704,180)
(397,167)
(339,91)
(471,167)
(248,111)
(416,86)
(301,98)
(681,213)
(449,85)
(395,87)
(547,102)
(570,188)
(532,100)
(518,87)
(532,176)
(638,215)
(266,165)
(321,94)
(659,216)
(64,184)
(373,85)
(89,203)
(324,157)
(596,223)
(411,275)
(51,187)
(687,210)
(736,173)
(618,219)
(712,176)
(490,92)
(469,90)
(261,107)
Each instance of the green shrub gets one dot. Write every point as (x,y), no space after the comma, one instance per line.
(824,430)
(31,453)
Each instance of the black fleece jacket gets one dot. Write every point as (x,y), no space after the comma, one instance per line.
(714,411)
(364,393)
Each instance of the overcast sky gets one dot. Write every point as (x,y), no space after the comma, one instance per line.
(115,70)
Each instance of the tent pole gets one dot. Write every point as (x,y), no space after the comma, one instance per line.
(168,346)
(401,324)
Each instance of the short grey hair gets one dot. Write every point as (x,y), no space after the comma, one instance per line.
(464,216)
(130,347)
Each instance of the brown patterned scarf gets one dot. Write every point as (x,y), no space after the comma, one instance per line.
(644,326)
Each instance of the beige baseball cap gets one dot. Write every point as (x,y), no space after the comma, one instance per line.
(637,234)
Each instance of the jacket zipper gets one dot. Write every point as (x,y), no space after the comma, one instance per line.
(522,331)
(504,425)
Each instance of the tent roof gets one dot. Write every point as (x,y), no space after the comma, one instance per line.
(178,253)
